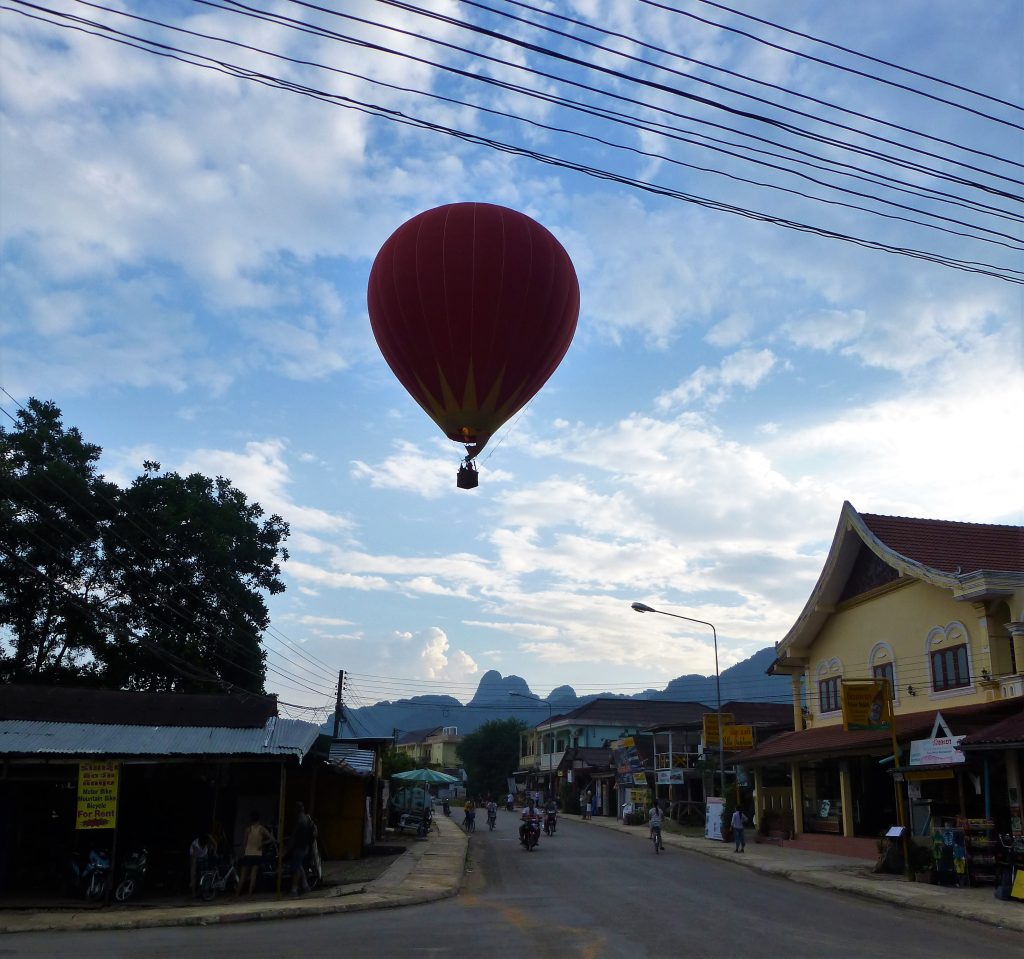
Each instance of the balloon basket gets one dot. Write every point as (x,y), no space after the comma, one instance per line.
(468,477)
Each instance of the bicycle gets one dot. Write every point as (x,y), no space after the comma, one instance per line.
(470,822)
(218,876)
(656,836)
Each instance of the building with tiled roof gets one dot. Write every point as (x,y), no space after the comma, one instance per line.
(932,612)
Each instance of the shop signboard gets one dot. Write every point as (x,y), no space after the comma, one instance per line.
(711,726)
(97,795)
(942,751)
(671,776)
(713,818)
(737,737)
(865,704)
(629,768)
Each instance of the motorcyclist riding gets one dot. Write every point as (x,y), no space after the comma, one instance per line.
(550,812)
(530,820)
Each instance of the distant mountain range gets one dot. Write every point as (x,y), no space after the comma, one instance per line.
(747,682)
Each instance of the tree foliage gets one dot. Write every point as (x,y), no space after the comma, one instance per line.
(490,755)
(394,761)
(157,586)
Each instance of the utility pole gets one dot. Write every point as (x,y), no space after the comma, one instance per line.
(339,705)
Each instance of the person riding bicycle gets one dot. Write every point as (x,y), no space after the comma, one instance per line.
(654,817)
(470,810)
(492,811)
(530,819)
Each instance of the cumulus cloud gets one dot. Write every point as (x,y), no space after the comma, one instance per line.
(437,660)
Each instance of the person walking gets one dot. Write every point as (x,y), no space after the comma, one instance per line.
(737,822)
(302,842)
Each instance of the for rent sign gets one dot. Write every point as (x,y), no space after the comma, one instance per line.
(97,795)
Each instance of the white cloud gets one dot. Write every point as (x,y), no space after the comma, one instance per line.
(437,660)
(746,369)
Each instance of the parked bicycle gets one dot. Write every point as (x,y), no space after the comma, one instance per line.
(217,874)
(656,837)
(131,878)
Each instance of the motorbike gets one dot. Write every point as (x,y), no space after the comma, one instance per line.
(508,805)
(91,876)
(131,879)
(549,823)
(531,834)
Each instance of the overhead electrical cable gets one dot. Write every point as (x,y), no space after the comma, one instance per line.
(1008,274)
(866,56)
(838,66)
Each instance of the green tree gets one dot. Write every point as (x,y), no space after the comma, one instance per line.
(490,755)
(188,560)
(54,505)
(158,586)
(393,761)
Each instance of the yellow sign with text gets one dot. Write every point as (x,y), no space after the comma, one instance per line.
(737,737)
(711,726)
(865,704)
(97,795)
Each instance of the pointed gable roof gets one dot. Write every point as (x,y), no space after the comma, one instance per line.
(973,560)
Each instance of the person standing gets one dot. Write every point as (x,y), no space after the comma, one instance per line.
(588,809)
(256,835)
(302,842)
(737,822)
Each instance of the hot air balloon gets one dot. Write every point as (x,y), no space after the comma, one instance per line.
(473,306)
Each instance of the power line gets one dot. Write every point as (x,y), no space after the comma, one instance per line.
(857,53)
(1007,274)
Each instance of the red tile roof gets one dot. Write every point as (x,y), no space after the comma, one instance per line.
(949,546)
(825,740)
(1008,732)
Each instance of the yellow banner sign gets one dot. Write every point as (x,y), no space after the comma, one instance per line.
(97,795)
(711,726)
(737,737)
(865,704)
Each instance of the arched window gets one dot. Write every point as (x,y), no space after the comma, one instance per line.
(882,663)
(830,676)
(948,651)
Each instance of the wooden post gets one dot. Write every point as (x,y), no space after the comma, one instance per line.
(280,827)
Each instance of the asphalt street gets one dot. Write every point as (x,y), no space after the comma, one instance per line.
(587,893)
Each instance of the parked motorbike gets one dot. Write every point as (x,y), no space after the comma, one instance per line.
(531,835)
(131,879)
(549,824)
(90,876)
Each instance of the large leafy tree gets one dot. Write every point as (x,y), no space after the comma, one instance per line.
(490,755)
(189,559)
(54,505)
(158,586)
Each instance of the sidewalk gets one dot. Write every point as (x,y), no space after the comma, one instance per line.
(846,875)
(429,870)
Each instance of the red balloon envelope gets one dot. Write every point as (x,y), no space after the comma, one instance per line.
(473,306)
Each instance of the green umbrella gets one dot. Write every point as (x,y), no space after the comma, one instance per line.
(425,776)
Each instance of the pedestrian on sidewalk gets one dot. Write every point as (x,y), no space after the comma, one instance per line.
(737,822)
(303,837)
(256,836)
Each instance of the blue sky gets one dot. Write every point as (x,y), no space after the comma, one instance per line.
(185,257)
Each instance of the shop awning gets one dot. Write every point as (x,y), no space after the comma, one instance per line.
(824,741)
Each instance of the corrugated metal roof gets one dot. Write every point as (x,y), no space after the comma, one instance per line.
(279,737)
(361,761)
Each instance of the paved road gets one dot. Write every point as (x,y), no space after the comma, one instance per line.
(586,893)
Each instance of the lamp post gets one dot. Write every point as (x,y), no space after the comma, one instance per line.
(643,608)
(537,699)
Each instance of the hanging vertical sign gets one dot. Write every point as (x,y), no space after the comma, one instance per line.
(97,795)
(866,704)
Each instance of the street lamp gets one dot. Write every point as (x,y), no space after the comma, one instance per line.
(644,608)
(537,699)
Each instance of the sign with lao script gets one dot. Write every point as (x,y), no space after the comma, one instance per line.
(865,704)
(711,726)
(737,737)
(97,795)
(943,750)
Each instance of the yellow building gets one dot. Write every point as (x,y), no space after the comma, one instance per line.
(936,608)
(434,747)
